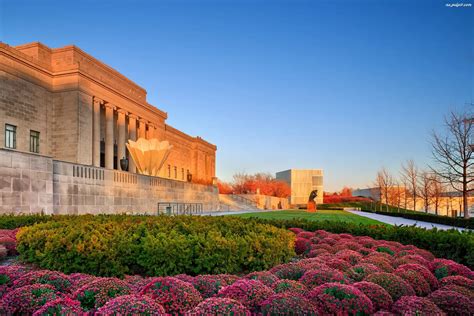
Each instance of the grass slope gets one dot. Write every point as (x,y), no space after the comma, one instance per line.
(320,215)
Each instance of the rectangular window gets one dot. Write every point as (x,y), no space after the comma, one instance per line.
(10,136)
(182,173)
(175,172)
(34,141)
(169,171)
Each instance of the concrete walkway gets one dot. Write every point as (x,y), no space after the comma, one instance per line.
(392,220)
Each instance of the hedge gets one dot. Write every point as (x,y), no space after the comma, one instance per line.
(450,244)
(400,212)
(154,245)
(431,218)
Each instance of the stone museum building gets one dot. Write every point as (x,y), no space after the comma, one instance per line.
(65,118)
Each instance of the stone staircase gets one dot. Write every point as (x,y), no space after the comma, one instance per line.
(232,202)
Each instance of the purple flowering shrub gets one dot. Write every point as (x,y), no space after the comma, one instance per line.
(377,294)
(131,305)
(248,292)
(215,306)
(425,272)
(452,303)
(208,285)
(416,280)
(58,280)
(414,305)
(457,280)
(95,294)
(359,271)
(340,299)
(282,286)
(313,278)
(265,277)
(289,271)
(174,295)
(443,267)
(287,304)
(27,299)
(393,284)
(61,306)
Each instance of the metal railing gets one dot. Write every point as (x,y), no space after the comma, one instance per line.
(179,208)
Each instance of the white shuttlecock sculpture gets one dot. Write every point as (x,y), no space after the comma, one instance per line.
(149,155)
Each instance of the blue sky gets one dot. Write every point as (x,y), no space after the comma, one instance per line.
(347,86)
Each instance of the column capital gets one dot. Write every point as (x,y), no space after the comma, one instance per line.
(110,106)
(142,120)
(151,125)
(98,100)
(133,116)
(122,111)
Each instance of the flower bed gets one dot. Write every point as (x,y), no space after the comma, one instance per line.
(362,276)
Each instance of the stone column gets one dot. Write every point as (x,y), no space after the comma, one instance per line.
(96,132)
(151,131)
(142,129)
(109,136)
(132,134)
(121,136)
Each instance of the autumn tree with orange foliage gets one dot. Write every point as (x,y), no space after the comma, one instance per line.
(262,183)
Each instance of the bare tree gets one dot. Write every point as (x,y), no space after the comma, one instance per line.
(410,175)
(425,189)
(437,191)
(452,153)
(384,181)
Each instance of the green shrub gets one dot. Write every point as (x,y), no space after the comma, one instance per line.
(450,244)
(115,245)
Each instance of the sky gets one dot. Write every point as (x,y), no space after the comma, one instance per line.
(346,86)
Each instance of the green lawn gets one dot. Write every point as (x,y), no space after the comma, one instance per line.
(320,215)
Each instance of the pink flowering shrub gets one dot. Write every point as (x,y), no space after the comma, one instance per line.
(185,278)
(78,280)
(61,306)
(287,304)
(208,285)
(393,284)
(283,286)
(265,277)
(351,256)
(228,278)
(306,235)
(316,252)
(380,262)
(338,264)
(131,305)
(313,278)
(296,230)
(302,246)
(414,306)
(27,299)
(216,306)
(340,299)
(443,267)
(361,270)
(58,280)
(377,294)
(248,292)
(452,303)
(425,272)
(410,259)
(174,295)
(457,280)
(459,289)
(288,271)
(95,294)
(136,282)
(416,280)
(10,244)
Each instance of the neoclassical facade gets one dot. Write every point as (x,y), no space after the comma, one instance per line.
(66,104)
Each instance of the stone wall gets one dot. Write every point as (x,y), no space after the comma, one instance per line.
(32,183)
(266,202)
